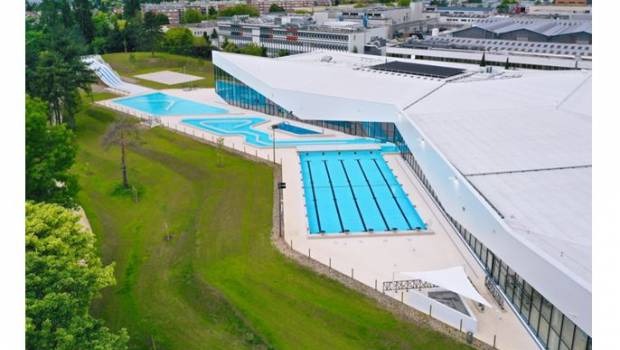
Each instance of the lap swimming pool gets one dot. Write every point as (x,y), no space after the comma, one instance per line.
(161,104)
(245,127)
(354,191)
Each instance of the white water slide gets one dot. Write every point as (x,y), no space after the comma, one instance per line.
(109,77)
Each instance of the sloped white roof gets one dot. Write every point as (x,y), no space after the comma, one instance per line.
(551,209)
(526,145)
(337,78)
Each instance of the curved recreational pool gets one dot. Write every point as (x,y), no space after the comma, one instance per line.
(161,104)
(245,127)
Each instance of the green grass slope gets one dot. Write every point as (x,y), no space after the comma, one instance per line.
(143,62)
(218,283)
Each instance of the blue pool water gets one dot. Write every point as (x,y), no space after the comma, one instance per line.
(354,191)
(297,130)
(160,104)
(245,127)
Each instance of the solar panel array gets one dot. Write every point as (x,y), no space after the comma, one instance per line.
(418,69)
(498,45)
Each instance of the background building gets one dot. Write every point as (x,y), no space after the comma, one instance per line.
(530,29)
(297,34)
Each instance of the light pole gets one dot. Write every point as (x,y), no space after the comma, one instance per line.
(281,186)
(273,141)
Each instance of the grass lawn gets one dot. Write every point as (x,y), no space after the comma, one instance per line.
(143,62)
(218,283)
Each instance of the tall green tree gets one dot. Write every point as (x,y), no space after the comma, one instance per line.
(276,8)
(152,33)
(124,133)
(191,16)
(57,80)
(212,12)
(131,8)
(50,153)
(179,41)
(63,275)
(84,19)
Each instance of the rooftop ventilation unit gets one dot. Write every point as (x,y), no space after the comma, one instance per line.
(326,59)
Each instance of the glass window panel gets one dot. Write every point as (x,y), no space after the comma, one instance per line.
(496,266)
(554,340)
(556,320)
(568,329)
(533,319)
(581,340)
(490,261)
(502,276)
(563,346)
(543,330)
(545,309)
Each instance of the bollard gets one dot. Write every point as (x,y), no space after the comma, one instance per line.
(330,264)
(494,339)
(352,274)
(308,252)
(461,326)
(375,284)
(430,310)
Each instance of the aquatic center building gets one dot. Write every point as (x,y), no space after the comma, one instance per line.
(505,154)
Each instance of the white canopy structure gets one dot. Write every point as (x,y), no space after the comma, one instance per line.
(453,279)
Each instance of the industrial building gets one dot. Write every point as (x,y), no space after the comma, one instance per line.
(530,29)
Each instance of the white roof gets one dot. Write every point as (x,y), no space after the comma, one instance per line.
(319,77)
(527,148)
(453,279)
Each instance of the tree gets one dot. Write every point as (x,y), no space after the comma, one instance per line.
(191,16)
(404,3)
(283,52)
(124,133)
(161,19)
(276,8)
(208,45)
(57,80)
(237,10)
(212,12)
(83,17)
(50,153)
(227,46)
(63,275)
(483,61)
(214,34)
(253,49)
(130,8)
(179,41)
(152,34)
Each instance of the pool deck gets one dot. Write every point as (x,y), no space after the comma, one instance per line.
(373,257)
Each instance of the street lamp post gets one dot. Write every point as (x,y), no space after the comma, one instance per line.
(281,186)
(273,141)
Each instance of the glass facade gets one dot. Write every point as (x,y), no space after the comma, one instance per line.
(554,330)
